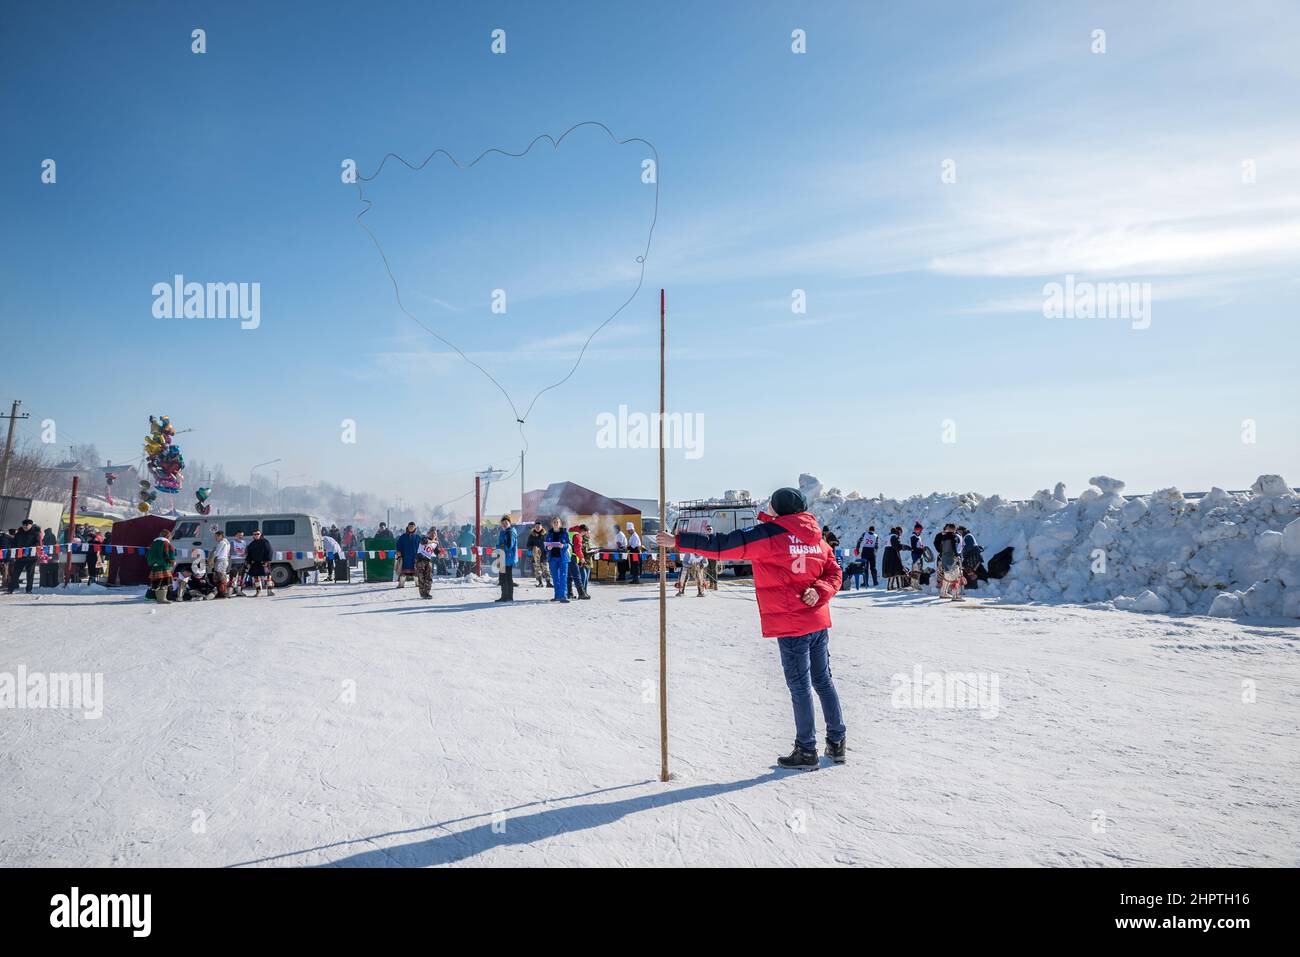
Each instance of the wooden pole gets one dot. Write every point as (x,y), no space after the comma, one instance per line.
(663,563)
(72,531)
(478,525)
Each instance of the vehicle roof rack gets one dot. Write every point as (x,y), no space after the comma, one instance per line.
(701,503)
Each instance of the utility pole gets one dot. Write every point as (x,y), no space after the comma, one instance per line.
(13,417)
(478,525)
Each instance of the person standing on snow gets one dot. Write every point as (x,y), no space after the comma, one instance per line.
(620,546)
(259,557)
(918,555)
(464,546)
(238,562)
(408,544)
(220,562)
(557,550)
(947,554)
(541,568)
(972,555)
(161,559)
(891,560)
(6,543)
(795,578)
(634,553)
(94,547)
(425,553)
(692,568)
(833,540)
(867,550)
(508,542)
(333,551)
(28,536)
(579,566)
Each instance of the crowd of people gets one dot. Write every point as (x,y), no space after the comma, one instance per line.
(45,569)
(958,560)
(556,556)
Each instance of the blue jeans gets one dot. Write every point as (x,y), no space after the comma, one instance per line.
(560,576)
(807,664)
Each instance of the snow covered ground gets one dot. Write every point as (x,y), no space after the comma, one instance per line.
(356,725)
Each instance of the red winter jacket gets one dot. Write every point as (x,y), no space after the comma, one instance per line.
(788,556)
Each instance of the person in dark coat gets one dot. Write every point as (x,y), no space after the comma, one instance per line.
(867,546)
(508,543)
(6,543)
(94,546)
(28,536)
(947,553)
(50,567)
(891,565)
(541,567)
(408,546)
(259,556)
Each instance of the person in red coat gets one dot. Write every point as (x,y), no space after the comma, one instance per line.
(795,577)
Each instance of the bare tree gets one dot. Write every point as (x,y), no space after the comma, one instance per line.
(32,473)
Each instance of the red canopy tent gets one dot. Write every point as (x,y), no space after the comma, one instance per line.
(132,569)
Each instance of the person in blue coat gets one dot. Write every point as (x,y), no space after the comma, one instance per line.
(508,542)
(557,548)
(408,545)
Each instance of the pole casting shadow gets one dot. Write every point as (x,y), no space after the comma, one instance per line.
(455,846)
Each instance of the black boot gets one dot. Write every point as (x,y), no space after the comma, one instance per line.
(800,758)
(835,750)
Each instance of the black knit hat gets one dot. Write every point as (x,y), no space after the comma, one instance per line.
(787,501)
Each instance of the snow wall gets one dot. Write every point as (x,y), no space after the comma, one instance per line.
(1225,554)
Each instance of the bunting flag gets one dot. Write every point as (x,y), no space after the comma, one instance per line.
(76,547)
(454,551)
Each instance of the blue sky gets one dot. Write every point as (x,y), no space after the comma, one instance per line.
(819,171)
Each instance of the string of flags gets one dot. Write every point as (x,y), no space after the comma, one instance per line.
(452,550)
(34,551)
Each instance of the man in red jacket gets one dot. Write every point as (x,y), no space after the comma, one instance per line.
(795,577)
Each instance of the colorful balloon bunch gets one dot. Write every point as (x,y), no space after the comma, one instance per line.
(164,461)
(201,503)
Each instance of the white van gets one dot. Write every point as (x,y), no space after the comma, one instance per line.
(722,515)
(287,532)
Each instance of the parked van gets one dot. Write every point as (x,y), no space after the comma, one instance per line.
(287,532)
(723,515)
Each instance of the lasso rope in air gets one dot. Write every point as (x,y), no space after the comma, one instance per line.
(555,145)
